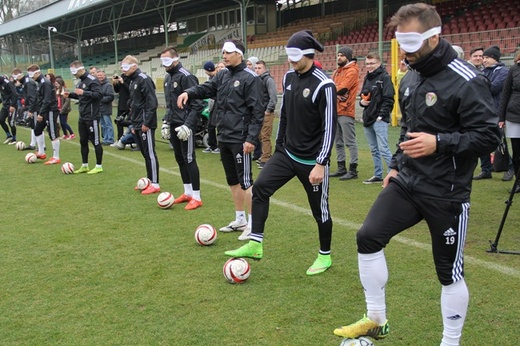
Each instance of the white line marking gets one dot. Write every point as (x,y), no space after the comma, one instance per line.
(349,224)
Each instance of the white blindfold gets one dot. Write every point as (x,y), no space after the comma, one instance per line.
(75,70)
(127,67)
(32,73)
(167,62)
(230,48)
(296,54)
(411,42)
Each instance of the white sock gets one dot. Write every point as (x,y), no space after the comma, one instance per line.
(454,306)
(33,139)
(84,165)
(249,221)
(56,148)
(373,274)
(99,166)
(240,216)
(155,185)
(188,190)
(40,140)
(196,194)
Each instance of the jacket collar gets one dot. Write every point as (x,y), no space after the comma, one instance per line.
(436,61)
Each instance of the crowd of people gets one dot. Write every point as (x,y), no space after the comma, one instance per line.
(451,109)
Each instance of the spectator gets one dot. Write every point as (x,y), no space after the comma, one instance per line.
(347,84)
(105,109)
(496,72)
(475,58)
(239,117)
(121,86)
(270,98)
(377,99)
(211,71)
(509,115)
(64,108)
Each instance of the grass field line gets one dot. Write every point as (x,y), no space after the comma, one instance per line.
(349,224)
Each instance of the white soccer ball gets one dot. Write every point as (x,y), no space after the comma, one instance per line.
(143,183)
(20,145)
(165,200)
(67,168)
(236,270)
(30,158)
(205,234)
(357,342)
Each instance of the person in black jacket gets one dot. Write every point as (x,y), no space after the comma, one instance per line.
(509,115)
(448,121)
(377,99)
(184,122)
(122,87)
(239,114)
(303,146)
(9,108)
(143,112)
(30,96)
(105,108)
(88,92)
(47,115)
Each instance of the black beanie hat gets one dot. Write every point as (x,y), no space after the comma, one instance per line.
(347,52)
(304,40)
(493,52)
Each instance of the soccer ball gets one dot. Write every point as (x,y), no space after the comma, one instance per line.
(356,342)
(236,270)
(67,168)
(165,200)
(30,158)
(143,183)
(205,234)
(20,145)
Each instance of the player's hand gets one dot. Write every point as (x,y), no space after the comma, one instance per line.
(420,144)
(181,100)
(66,94)
(30,115)
(317,174)
(342,98)
(248,147)
(39,118)
(365,102)
(501,124)
(144,128)
(183,132)
(392,174)
(78,91)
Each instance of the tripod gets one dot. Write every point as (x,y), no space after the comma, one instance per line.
(509,202)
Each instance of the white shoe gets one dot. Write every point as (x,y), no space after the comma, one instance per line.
(245,235)
(234,226)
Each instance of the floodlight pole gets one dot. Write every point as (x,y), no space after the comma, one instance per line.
(243,7)
(51,55)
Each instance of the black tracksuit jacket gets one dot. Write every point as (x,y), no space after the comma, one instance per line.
(449,98)
(238,108)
